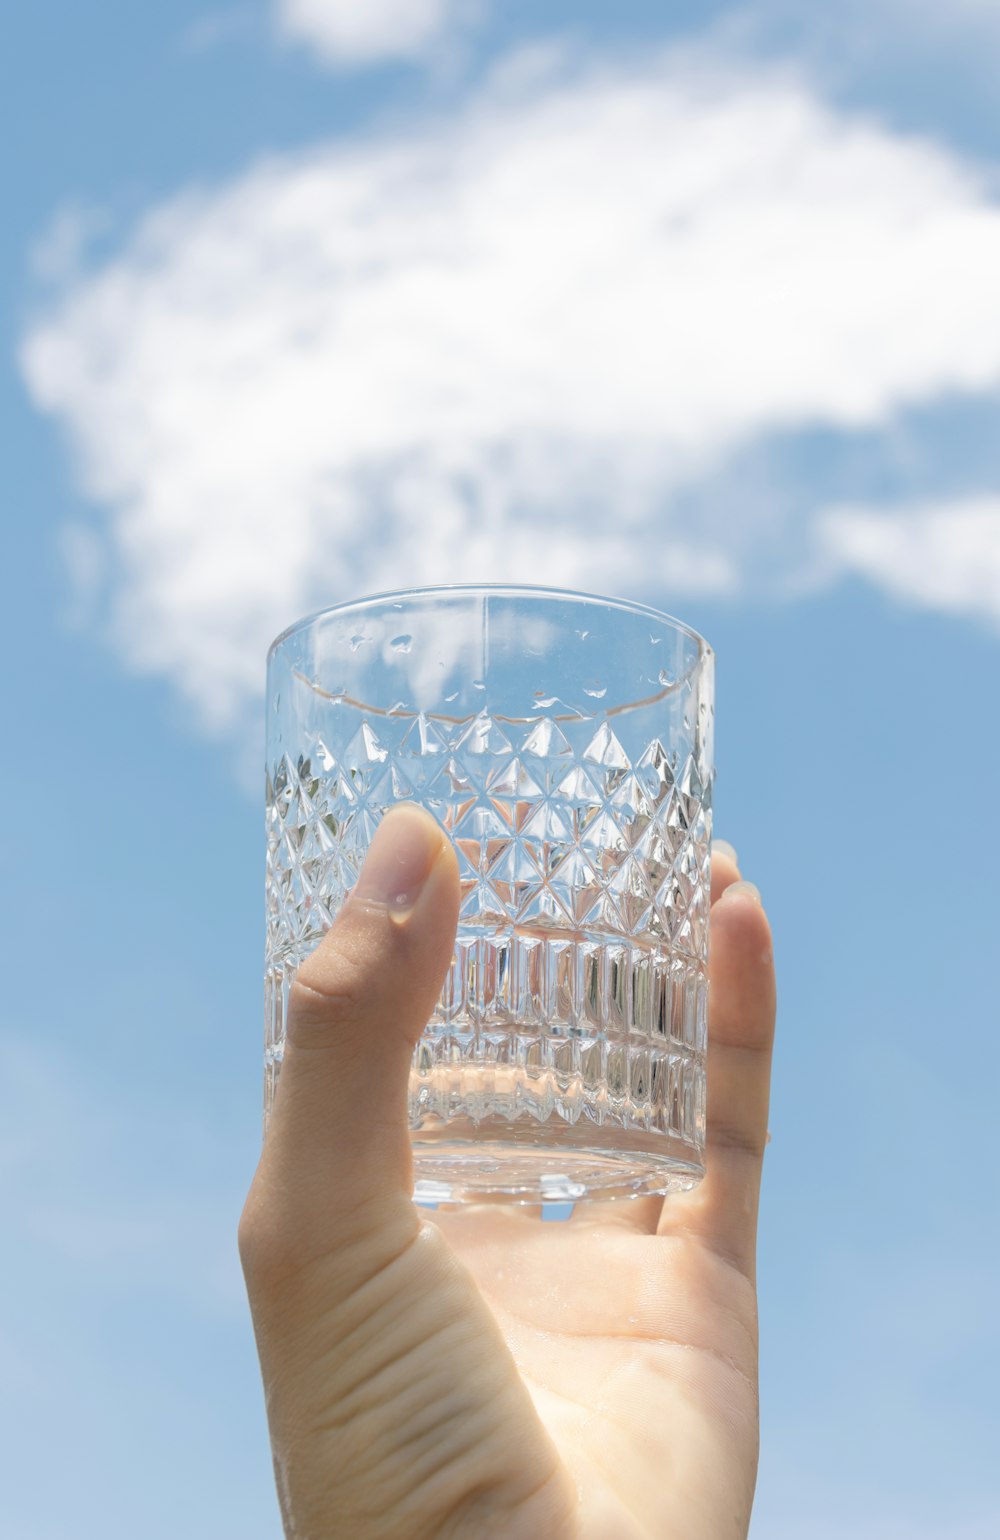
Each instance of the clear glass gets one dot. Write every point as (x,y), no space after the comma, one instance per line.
(564,742)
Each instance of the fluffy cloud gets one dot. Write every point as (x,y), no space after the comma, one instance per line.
(357,32)
(946,557)
(494,346)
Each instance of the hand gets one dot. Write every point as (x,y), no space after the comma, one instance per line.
(477,1373)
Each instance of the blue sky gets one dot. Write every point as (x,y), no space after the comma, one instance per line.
(291,311)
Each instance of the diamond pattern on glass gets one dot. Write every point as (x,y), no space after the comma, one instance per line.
(577,987)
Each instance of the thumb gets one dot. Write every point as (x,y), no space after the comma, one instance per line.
(338,1143)
(395,1407)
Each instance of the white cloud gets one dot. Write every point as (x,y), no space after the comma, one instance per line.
(946,557)
(493,346)
(357,32)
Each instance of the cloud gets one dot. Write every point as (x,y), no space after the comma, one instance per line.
(350,33)
(498,346)
(945,557)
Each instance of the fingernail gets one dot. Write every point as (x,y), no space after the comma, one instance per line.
(406,845)
(736,888)
(723,848)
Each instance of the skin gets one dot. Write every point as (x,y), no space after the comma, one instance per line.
(474,1373)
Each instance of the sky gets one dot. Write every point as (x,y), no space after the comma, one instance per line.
(698,305)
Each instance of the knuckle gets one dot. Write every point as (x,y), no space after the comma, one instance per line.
(338,981)
(737,1141)
(251,1233)
(249,1238)
(327,993)
(268,1248)
(247,1234)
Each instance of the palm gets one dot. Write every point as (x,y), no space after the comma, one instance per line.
(639,1352)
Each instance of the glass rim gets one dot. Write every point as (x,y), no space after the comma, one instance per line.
(512,590)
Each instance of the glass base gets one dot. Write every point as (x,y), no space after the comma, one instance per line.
(492,1162)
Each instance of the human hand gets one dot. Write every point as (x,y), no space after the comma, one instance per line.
(476,1373)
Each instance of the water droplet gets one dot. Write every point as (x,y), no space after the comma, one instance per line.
(451,697)
(544,701)
(656,640)
(666,677)
(598,692)
(356,641)
(479,684)
(583,635)
(401,643)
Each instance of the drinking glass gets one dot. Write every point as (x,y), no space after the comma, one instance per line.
(563,741)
